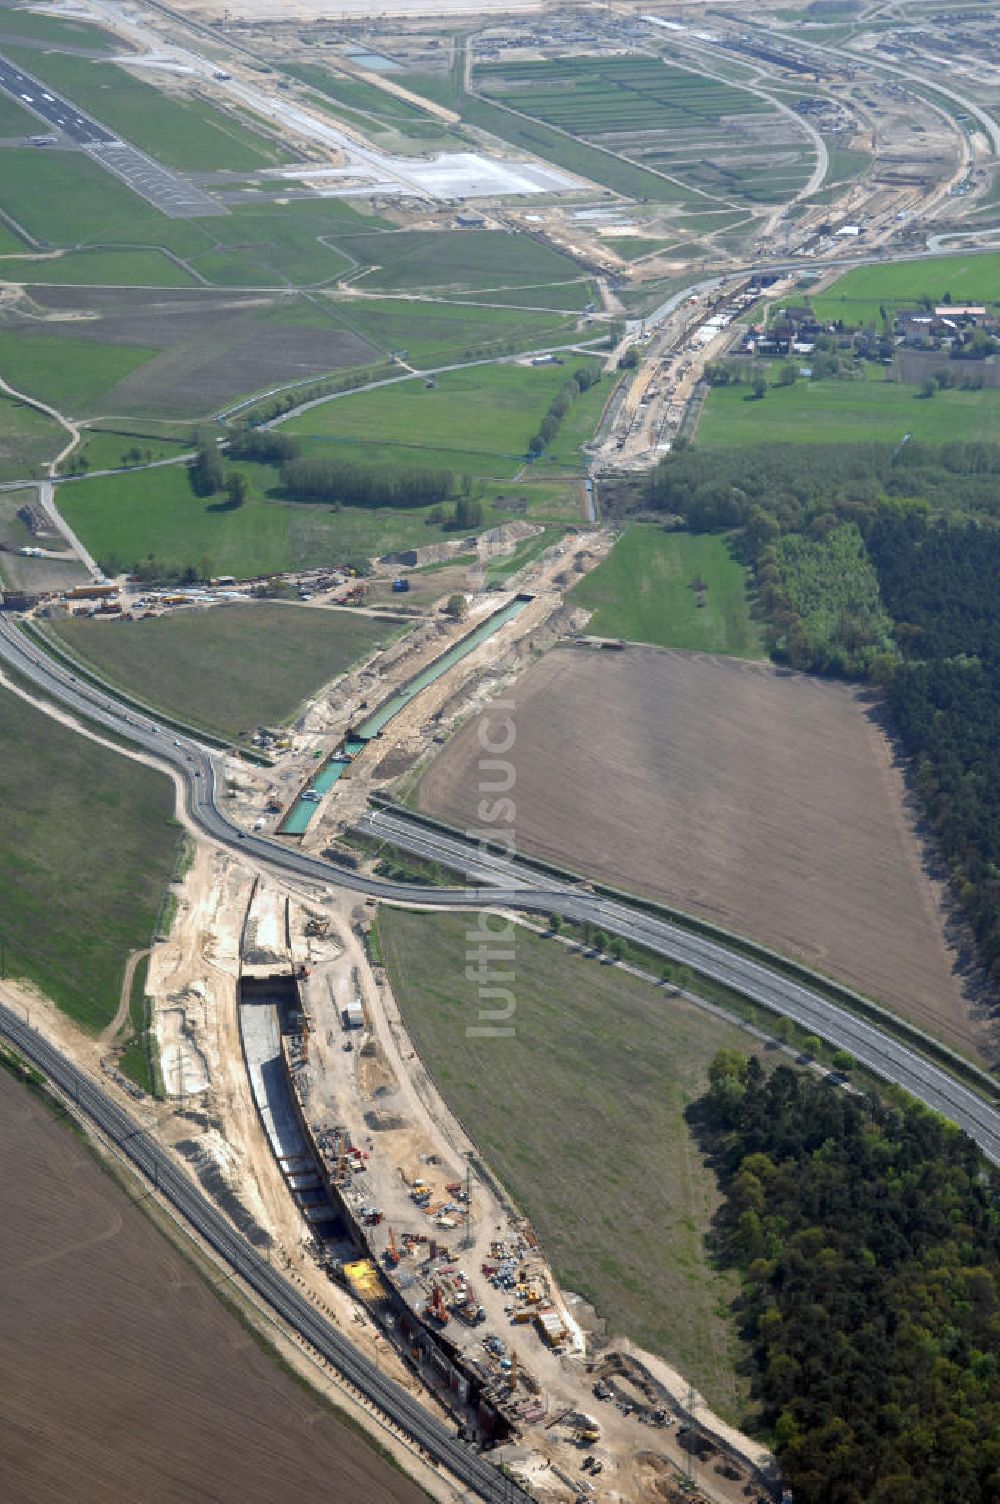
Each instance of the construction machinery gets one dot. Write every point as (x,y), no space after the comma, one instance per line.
(392,1253)
(436,1307)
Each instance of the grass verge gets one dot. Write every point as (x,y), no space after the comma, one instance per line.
(87,844)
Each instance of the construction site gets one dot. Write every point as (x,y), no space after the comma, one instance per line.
(293,1094)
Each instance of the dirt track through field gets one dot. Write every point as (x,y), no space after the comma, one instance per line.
(764,801)
(122,1377)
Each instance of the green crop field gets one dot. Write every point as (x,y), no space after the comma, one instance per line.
(857,296)
(181,132)
(643,592)
(653,117)
(229,669)
(591,96)
(581,1113)
(87,843)
(74,375)
(28,440)
(439,333)
(493,409)
(831,412)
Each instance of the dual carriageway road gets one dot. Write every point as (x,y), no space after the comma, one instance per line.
(498,882)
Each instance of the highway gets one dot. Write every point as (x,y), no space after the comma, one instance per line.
(457,1457)
(502,882)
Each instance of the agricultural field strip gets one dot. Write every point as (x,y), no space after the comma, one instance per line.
(614,102)
(493,888)
(130,1139)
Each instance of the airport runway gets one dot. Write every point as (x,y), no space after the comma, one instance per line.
(165,190)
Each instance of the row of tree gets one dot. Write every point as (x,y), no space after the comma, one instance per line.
(313,478)
(580,381)
(868,1237)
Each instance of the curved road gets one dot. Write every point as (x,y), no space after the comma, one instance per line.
(503,882)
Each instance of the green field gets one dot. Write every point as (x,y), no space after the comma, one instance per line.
(857,412)
(366,102)
(230,669)
(15,121)
(74,375)
(128,517)
(569,296)
(55,29)
(859,294)
(179,131)
(63,197)
(581,1113)
(642,592)
(87,843)
(418,260)
(671,120)
(108,450)
(125,518)
(125,268)
(28,440)
(578,427)
(593,96)
(493,410)
(435,334)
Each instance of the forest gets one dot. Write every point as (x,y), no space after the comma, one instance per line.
(796,482)
(822,597)
(940,584)
(868,1239)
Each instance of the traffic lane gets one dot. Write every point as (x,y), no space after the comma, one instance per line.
(866,1042)
(146,1154)
(55,111)
(888,1058)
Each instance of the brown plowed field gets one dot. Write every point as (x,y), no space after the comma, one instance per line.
(122,1377)
(766,802)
